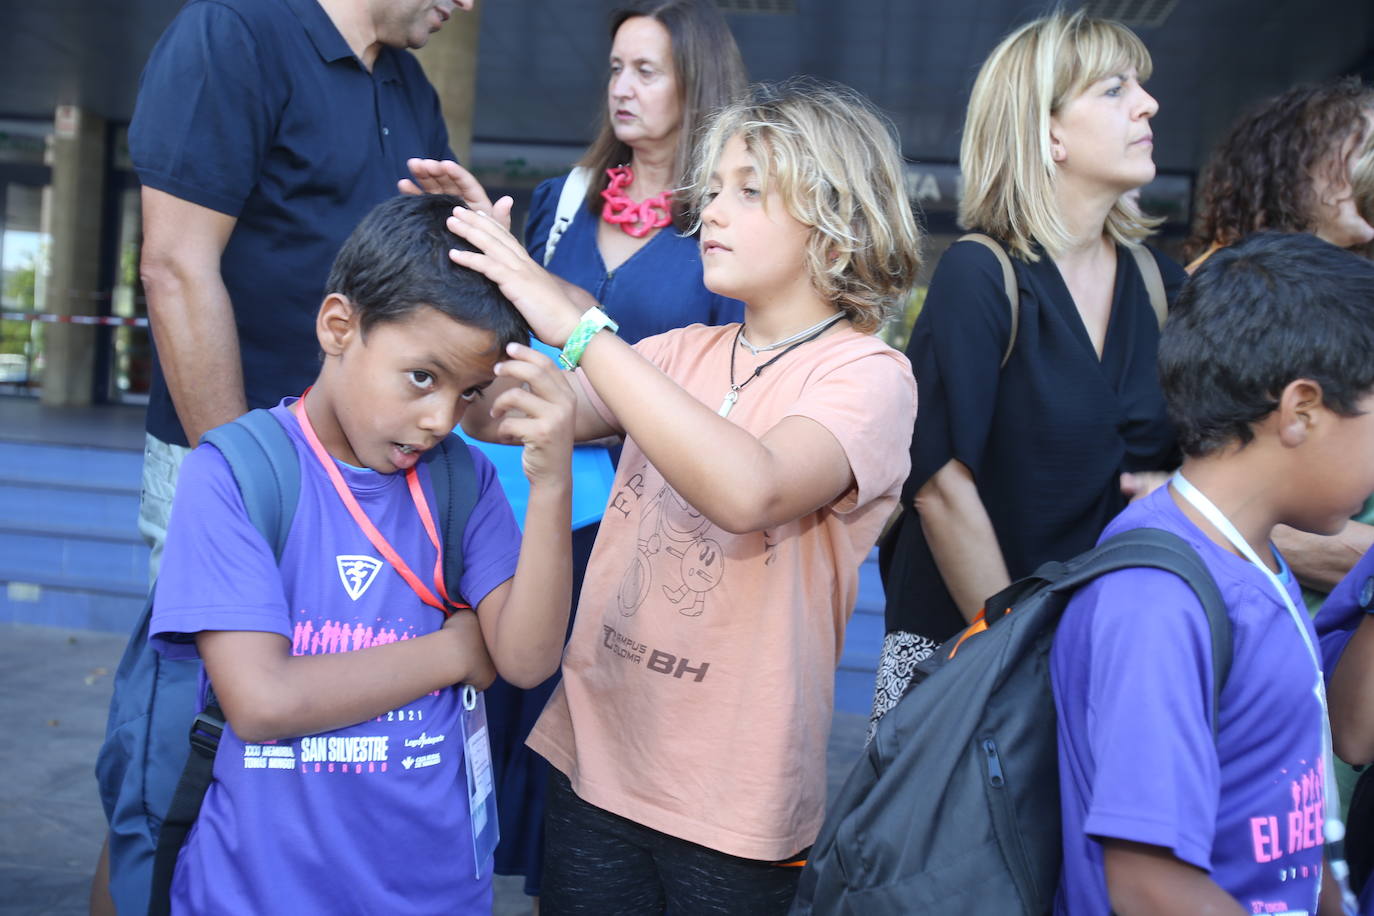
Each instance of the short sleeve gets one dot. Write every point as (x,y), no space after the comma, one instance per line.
(956,352)
(202,124)
(869,405)
(543,209)
(1156,778)
(491,540)
(1342,613)
(218,572)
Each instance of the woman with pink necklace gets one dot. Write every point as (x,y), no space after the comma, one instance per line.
(671,62)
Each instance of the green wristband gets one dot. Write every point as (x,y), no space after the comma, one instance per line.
(593,320)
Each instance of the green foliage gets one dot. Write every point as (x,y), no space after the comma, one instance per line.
(19,294)
(21,286)
(898,330)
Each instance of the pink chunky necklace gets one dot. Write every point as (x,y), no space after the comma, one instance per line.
(637,217)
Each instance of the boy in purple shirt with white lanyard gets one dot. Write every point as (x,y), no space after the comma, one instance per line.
(338,784)
(1267,365)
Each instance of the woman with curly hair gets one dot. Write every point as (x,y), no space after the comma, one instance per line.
(1301,161)
(1286,166)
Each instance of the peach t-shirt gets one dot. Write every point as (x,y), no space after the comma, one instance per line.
(698,685)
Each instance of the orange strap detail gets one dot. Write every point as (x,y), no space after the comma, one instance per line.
(979,624)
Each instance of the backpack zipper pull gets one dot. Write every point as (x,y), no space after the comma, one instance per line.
(994,764)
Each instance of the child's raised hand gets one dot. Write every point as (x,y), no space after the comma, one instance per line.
(444,176)
(537,413)
(530,288)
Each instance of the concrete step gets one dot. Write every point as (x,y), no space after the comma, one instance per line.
(57,559)
(870,598)
(70,552)
(39,605)
(863,642)
(92,512)
(854,691)
(70,466)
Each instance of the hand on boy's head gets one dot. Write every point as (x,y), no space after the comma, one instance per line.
(444,176)
(538,413)
(537,294)
(1139,484)
(481,671)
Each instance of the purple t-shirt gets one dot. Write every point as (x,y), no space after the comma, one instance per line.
(1132,674)
(372,818)
(1344,610)
(1342,613)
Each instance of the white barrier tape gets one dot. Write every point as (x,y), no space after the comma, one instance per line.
(101,320)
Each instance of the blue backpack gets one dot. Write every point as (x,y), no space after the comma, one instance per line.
(153,710)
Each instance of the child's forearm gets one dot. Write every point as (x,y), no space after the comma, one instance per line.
(1145,880)
(961,538)
(1320,561)
(1350,695)
(526,636)
(267,693)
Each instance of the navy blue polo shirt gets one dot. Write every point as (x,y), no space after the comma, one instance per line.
(258,109)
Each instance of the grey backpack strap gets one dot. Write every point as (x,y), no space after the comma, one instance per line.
(569,199)
(1154,281)
(263,460)
(1009,286)
(453,476)
(1164,550)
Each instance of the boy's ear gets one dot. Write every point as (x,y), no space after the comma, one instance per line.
(336,323)
(1300,408)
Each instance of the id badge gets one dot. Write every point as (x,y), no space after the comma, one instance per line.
(481,782)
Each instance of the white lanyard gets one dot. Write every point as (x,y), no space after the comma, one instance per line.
(1333,831)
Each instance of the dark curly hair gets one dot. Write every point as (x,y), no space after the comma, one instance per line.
(1308,313)
(1261,174)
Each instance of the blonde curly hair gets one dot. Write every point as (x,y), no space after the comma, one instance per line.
(836,166)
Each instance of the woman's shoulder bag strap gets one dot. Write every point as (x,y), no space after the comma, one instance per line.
(569,199)
(1154,281)
(1008,284)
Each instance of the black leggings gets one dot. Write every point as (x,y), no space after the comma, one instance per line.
(600,864)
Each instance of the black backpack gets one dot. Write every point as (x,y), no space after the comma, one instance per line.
(954,806)
(151,783)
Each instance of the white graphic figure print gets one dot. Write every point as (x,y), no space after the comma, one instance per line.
(357,572)
(675,555)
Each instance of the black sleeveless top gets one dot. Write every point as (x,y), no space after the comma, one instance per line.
(1045,437)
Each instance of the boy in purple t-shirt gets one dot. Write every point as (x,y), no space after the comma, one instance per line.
(1266,366)
(339,782)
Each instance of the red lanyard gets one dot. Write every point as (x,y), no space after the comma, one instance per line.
(417,496)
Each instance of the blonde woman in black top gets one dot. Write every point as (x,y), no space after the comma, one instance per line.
(1018,464)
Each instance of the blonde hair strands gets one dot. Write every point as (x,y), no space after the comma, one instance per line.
(835,164)
(1008,171)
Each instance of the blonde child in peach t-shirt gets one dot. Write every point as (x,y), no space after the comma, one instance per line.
(760,463)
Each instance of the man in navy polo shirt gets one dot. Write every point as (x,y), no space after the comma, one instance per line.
(263,132)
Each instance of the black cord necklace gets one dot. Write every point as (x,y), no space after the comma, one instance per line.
(732,395)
